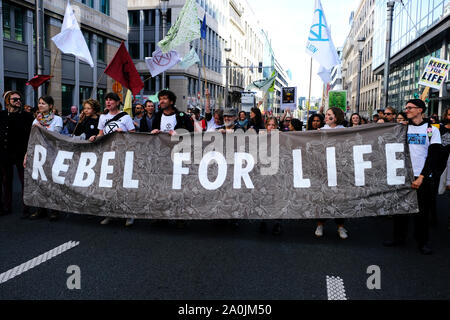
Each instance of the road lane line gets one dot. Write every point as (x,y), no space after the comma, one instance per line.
(30,264)
(335,288)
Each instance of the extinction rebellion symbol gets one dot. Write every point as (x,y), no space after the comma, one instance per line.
(110,127)
(321,35)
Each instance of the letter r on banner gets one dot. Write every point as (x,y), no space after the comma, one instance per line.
(40,155)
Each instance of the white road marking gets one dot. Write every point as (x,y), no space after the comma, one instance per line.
(335,288)
(24,267)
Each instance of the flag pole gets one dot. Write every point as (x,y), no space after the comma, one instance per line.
(204,68)
(309,96)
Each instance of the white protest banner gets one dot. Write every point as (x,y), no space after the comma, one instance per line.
(434,73)
(288,98)
(160,62)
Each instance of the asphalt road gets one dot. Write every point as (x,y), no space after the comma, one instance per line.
(207,260)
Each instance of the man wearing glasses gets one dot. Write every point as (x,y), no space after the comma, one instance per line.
(424,144)
(389,114)
(15,127)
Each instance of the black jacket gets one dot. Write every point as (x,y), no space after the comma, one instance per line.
(88,126)
(143,126)
(183,121)
(14,133)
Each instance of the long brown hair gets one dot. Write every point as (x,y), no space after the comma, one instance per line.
(95,105)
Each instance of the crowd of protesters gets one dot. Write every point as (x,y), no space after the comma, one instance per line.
(429,153)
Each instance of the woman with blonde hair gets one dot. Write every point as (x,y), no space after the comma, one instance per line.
(88,123)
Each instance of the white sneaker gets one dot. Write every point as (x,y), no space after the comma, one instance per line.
(342,233)
(319,230)
(105,221)
(129,222)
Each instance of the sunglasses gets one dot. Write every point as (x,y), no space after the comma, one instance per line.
(16,99)
(388,114)
(410,108)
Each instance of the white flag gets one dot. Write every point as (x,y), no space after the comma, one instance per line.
(160,62)
(189,59)
(320,45)
(70,40)
(324,74)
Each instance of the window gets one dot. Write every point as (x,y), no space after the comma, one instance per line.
(6,22)
(133,18)
(89,3)
(87,38)
(149,47)
(85,93)
(13,23)
(18,25)
(101,97)
(152,17)
(100,48)
(67,98)
(104,7)
(133,48)
(147,19)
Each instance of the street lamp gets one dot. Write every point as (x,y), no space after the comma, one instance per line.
(227,69)
(164,4)
(361,42)
(390,14)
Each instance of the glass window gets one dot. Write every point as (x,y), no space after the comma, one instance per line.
(147,17)
(424,9)
(101,97)
(152,17)
(87,38)
(67,98)
(169,17)
(134,50)
(133,18)
(85,93)
(100,48)
(89,3)
(18,28)
(104,7)
(6,22)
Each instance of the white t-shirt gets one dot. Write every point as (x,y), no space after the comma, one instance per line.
(328,127)
(168,123)
(125,123)
(212,126)
(56,122)
(419,142)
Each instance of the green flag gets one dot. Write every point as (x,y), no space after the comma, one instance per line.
(264,84)
(189,60)
(272,87)
(185,29)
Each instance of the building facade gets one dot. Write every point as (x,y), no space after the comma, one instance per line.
(421,29)
(233,44)
(362,28)
(103,23)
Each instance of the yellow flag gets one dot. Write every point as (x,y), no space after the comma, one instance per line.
(127,106)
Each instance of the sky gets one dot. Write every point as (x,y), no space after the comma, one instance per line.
(288,23)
